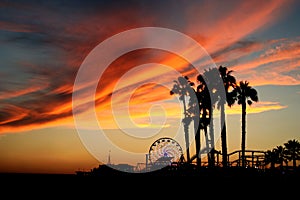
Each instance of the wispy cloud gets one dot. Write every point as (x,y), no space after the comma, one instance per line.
(274,62)
(256,108)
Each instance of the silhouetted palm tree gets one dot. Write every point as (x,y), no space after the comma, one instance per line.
(271,158)
(245,95)
(231,95)
(210,84)
(276,156)
(194,112)
(292,151)
(202,118)
(183,88)
(281,152)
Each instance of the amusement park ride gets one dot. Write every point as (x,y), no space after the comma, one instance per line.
(166,151)
(163,152)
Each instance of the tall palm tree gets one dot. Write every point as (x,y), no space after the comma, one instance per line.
(210,94)
(245,95)
(204,103)
(183,87)
(229,82)
(193,111)
(292,151)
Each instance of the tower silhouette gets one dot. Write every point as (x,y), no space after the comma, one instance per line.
(108,159)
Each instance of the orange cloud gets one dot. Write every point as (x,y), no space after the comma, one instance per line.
(256,108)
(21,92)
(273,54)
(274,65)
(13,113)
(216,30)
(63,122)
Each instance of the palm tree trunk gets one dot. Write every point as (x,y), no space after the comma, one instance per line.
(212,138)
(186,133)
(187,143)
(197,139)
(272,165)
(223,137)
(243,133)
(294,159)
(207,145)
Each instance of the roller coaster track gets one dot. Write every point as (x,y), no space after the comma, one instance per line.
(254,158)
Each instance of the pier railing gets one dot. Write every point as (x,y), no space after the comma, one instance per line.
(253,158)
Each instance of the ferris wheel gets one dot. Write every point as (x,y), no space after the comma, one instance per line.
(165,150)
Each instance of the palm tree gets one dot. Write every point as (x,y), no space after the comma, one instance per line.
(183,88)
(271,158)
(276,156)
(292,151)
(209,83)
(202,119)
(245,95)
(229,85)
(281,158)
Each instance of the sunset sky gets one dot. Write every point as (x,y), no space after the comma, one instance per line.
(44,44)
